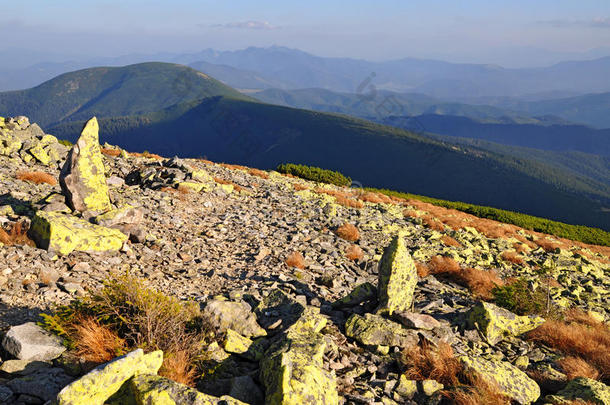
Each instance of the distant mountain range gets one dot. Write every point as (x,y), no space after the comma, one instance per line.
(279,67)
(174,110)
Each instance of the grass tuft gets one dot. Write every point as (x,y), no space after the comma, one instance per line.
(348,232)
(295,259)
(37,177)
(354,252)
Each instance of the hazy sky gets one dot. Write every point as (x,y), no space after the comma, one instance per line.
(512,32)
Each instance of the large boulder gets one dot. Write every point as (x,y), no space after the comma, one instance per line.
(151,389)
(512,382)
(584,389)
(397,277)
(65,234)
(375,330)
(30,342)
(43,384)
(361,293)
(238,316)
(496,323)
(82,177)
(293,370)
(104,381)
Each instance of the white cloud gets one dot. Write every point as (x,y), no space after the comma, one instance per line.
(248,25)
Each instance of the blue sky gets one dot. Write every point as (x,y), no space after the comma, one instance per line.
(515,32)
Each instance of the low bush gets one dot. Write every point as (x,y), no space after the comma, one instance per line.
(126,314)
(519,298)
(65,142)
(315,174)
(110,152)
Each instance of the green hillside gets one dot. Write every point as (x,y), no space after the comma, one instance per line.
(262,135)
(112,91)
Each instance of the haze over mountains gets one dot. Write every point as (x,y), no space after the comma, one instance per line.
(172,109)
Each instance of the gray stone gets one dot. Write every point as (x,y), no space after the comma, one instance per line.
(23,367)
(414,320)
(238,316)
(245,389)
(44,384)
(30,342)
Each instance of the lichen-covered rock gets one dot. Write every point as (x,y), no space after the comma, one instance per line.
(238,344)
(30,342)
(9,144)
(496,323)
(104,381)
(584,389)
(373,329)
(154,390)
(65,234)
(362,293)
(397,277)
(123,216)
(82,177)
(292,369)
(238,316)
(512,382)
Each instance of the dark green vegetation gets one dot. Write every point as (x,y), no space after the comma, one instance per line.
(556,137)
(111,92)
(574,232)
(520,299)
(315,174)
(223,125)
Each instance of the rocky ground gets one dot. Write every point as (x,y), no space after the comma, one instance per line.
(212,230)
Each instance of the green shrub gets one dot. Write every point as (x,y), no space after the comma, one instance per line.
(315,174)
(65,142)
(519,298)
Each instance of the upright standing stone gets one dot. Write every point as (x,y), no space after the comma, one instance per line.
(82,177)
(397,277)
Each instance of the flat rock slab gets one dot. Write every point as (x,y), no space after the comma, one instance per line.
(43,384)
(30,342)
(65,234)
(373,330)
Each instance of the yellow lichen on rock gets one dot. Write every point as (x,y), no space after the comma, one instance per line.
(65,234)
(496,323)
(397,277)
(95,387)
(512,382)
(292,369)
(82,177)
(154,390)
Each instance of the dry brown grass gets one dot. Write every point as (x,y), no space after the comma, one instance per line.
(349,202)
(299,187)
(221,181)
(424,362)
(579,335)
(512,257)
(177,366)
(258,173)
(95,342)
(409,213)
(146,155)
(354,252)
(433,223)
(521,247)
(295,259)
(449,241)
(348,232)
(547,244)
(17,234)
(37,177)
(422,269)
(375,198)
(574,367)
(479,282)
(476,391)
(234,167)
(110,152)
